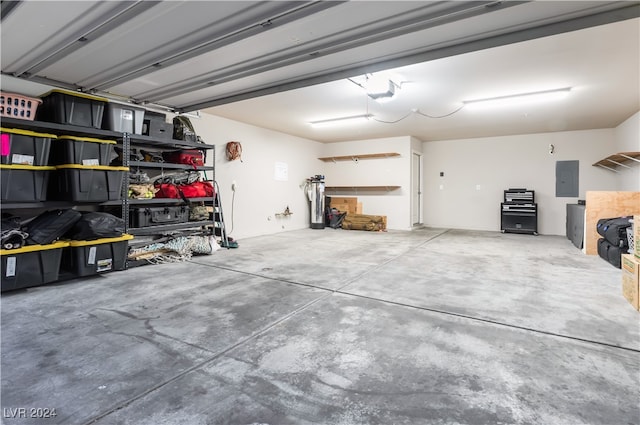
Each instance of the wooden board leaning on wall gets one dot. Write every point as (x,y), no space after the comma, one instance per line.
(606,205)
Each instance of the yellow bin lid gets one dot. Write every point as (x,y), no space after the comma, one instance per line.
(92,167)
(77,94)
(26,167)
(34,248)
(27,132)
(87,139)
(124,237)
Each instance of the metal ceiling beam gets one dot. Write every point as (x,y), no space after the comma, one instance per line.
(6,7)
(121,13)
(287,12)
(610,16)
(370,33)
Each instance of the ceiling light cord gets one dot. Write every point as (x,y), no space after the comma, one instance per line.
(439,116)
(392,122)
(417,111)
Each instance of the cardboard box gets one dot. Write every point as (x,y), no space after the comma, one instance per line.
(636,235)
(344,200)
(348,208)
(349,205)
(631,279)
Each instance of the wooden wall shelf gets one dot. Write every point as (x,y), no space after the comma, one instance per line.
(359,157)
(618,160)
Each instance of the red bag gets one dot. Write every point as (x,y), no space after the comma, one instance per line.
(197,190)
(194,190)
(193,157)
(167,190)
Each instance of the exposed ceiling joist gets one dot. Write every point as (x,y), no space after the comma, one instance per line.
(630,11)
(118,15)
(391,26)
(276,14)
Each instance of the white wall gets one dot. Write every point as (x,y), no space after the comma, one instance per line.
(627,137)
(494,163)
(391,171)
(497,163)
(259,196)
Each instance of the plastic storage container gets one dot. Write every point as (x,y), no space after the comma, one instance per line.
(24,183)
(24,147)
(81,150)
(155,216)
(83,183)
(156,125)
(85,258)
(74,108)
(31,265)
(15,105)
(123,117)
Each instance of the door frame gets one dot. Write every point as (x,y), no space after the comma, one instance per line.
(417,174)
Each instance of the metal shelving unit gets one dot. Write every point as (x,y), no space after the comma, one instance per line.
(131,141)
(59,129)
(126,140)
(164,228)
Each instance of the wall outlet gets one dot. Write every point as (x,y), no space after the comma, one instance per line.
(234,185)
(477,187)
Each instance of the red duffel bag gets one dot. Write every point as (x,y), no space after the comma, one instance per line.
(167,190)
(193,157)
(199,189)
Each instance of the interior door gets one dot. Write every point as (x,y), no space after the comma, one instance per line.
(416,188)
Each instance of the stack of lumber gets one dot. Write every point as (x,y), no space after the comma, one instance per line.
(365,222)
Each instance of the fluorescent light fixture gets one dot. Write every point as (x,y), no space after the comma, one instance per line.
(342,120)
(520,98)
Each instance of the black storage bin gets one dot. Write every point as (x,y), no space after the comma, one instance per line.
(85,258)
(24,147)
(155,216)
(123,117)
(24,183)
(82,183)
(74,108)
(31,265)
(156,125)
(81,150)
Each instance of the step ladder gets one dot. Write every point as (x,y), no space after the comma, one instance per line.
(219,228)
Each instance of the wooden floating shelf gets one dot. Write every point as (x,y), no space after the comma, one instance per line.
(360,188)
(618,159)
(359,157)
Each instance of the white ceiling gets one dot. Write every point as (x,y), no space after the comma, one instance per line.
(279,64)
(601,64)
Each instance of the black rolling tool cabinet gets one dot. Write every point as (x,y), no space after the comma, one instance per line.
(519,212)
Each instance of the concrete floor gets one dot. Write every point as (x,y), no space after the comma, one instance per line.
(333,327)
